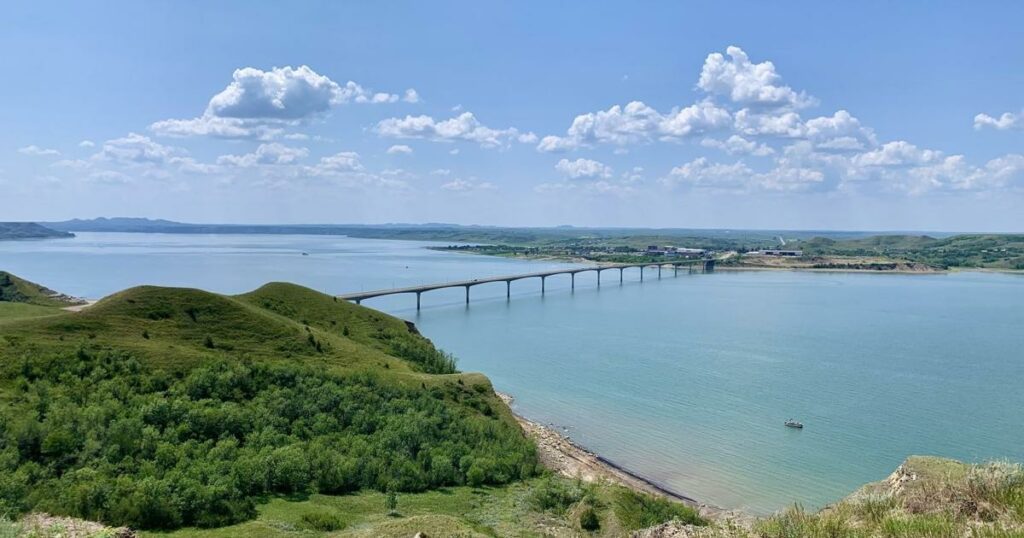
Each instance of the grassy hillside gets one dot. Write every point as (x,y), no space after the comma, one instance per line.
(164,407)
(926,497)
(28,230)
(21,299)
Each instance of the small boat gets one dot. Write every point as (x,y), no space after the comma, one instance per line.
(794,424)
(305,254)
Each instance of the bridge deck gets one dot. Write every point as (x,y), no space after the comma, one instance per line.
(507,278)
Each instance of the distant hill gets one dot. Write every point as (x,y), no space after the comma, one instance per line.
(18,290)
(29,230)
(990,251)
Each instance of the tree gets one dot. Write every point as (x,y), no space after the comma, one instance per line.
(391,502)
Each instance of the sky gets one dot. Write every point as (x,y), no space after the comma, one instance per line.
(872,115)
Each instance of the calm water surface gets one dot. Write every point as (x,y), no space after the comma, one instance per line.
(685,380)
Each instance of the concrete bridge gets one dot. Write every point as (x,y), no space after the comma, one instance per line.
(692,265)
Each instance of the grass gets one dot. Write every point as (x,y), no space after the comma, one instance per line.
(459,511)
(926,498)
(176,328)
(16,311)
(19,290)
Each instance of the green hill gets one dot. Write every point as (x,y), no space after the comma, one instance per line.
(29,230)
(18,290)
(163,407)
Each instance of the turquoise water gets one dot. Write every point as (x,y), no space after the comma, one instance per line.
(685,380)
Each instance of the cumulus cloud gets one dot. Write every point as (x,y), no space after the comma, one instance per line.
(257,103)
(636,122)
(400,148)
(36,150)
(897,154)
(86,144)
(464,127)
(272,153)
(702,173)
(411,96)
(135,149)
(345,161)
(737,145)
(747,83)
(1007,120)
(583,169)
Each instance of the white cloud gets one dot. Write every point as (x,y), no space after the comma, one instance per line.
(86,144)
(400,148)
(897,154)
(272,153)
(747,83)
(695,119)
(411,96)
(583,169)
(135,149)
(737,145)
(257,103)
(1007,120)
(784,124)
(636,122)
(345,161)
(839,132)
(453,151)
(36,150)
(441,172)
(701,172)
(463,127)
(466,185)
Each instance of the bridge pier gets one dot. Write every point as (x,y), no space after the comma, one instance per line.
(358,301)
(620,275)
(542,279)
(641,273)
(659,271)
(418,293)
(467,294)
(675,269)
(508,289)
(598,277)
(572,286)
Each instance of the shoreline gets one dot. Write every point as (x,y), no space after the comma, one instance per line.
(563,456)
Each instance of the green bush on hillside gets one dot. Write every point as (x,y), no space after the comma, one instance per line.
(639,510)
(102,437)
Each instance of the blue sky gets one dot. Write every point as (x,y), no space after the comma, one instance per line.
(869,115)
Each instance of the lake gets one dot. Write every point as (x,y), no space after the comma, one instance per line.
(685,379)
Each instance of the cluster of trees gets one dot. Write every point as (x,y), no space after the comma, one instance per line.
(102,437)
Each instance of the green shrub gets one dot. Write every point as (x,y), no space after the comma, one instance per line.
(639,510)
(555,495)
(322,521)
